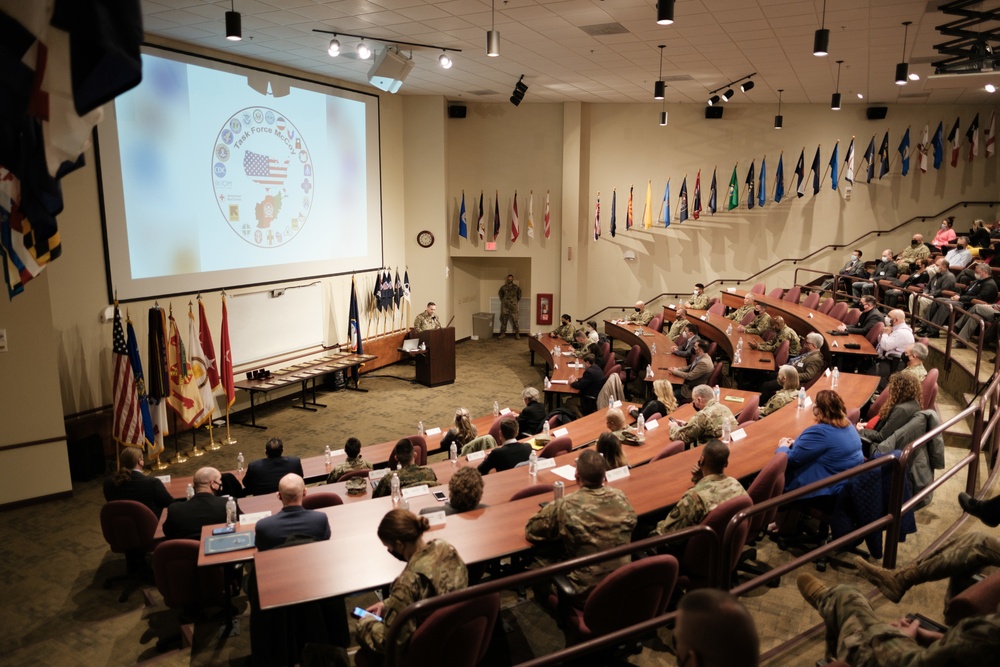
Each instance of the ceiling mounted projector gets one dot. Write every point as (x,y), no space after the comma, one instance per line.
(389,70)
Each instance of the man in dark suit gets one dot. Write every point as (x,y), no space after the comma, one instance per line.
(886,269)
(264,474)
(510,453)
(870,316)
(293,519)
(983,288)
(589,385)
(685,342)
(131,483)
(530,420)
(697,372)
(185,520)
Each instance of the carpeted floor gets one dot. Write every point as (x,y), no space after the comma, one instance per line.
(53,558)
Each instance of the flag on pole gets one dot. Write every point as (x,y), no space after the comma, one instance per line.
(835,166)
(597,217)
(972,134)
(734,191)
(922,149)
(482,219)
(904,152)
(140,387)
(762,183)
(682,202)
(515,229)
(849,162)
(647,213)
(547,217)
(713,194)
(815,172)
(531,214)
(779,179)
(938,143)
(628,211)
(226,353)
(200,369)
(955,138)
(354,328)
(207,346)
(800,174)
(665,205)
(496,216)
(614,205)
(870,159)
(184,398)
(463,225)
(750,183)
(883,155)
(397,290)
(696,211)
(990,135)
(127,426)
(406,286)
(158,385)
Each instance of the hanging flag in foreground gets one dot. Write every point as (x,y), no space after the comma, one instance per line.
(126,426)
(904,152)
(463,226)
(647,212)
(762,183)
(955,138)
(991,135)
(597,217)
(870,159)
(482,219)
(531,214)
(665,205)
(614,213)
(922,148)
(734,191)
(883,156)
(354,329)
(815,172)
(682,202)
(713,194)
(158,385)
(938,143)
(184,398)
(973,136)
(849,162)
(547,217)
(496,216)
(628,211)
(140,388)
(835,166)
(696,211)
(779,179)
(515,229)
(200,368)
(226,354)
(800,174)
(207,346)
(406,286)
(750,183)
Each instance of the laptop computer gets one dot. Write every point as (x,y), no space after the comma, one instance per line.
(411,345)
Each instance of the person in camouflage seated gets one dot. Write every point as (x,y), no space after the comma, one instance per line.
(741,312)
(712,487)
(761,321)
(354,461)
(510,299)
(410,474)
(707,422)
(699,300)
(640,315)
(783,332)
(427,320)
(594,518)
(788,378)
(679,324)
(565,329)
(433,567)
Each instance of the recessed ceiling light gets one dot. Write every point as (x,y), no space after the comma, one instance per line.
(914,76)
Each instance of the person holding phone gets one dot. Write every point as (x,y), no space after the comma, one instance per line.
(432,568)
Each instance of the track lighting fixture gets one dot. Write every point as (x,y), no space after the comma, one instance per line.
(665,13)
(728,95)
(334,49)
(493,35)
(445,60)
(363,51)
(520,88)
(746,86)
(660,87)
(234,24)
(821,40)
(903,69)
(779,119)
(713,100)
(835,101)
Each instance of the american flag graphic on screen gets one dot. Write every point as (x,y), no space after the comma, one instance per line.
(264,170)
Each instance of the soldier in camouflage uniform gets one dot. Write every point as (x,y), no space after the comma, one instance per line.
(707,423)
(432,568)
(679,324)
(565,329)
(761,321)
(594,518)
(788,378)
(640,315)
(783,333)
(427,320)
(741,312)
(913,357)
(510,299)
(712,487)
(409,475)
(699,300)
(907,259)
(354,461)
(856,635)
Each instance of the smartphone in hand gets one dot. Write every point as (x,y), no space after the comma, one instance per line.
(363,613)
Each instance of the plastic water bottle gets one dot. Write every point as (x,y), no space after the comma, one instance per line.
(496,409)
(394,485)
(802,398)
(327,456)
(533,463)
(738,357)
(548,383)
(729,330)
(835,379)
(190,491)
(420,427)
(717,392)
(230,511)
(653,350)
(545,427)
(739,343)
(239,462)
(640,425)
(453,453)
(727,432)
(649,370)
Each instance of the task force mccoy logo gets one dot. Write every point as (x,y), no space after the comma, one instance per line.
(262,174)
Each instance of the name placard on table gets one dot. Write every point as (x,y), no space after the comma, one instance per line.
(617,473)
(414,491)
(545,464)
(432,431)
(475,456)
(560,432)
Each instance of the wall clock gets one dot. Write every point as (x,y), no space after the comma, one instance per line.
(425,239)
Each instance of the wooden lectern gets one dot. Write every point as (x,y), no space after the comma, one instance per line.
(437,365)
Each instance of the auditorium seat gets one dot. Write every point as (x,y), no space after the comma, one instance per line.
(928,400)
(533,490)
(354,473)
(777,293)
(675,447)
(812,300)
(315,501)
(717,309)
(183,585)
(751,410)
(781,354)
(874,333)
(129,528)
(838,310)
(696,566)
(792,295)
(758,288)
(656,324)
(825,306)
(557,446)
(852,317)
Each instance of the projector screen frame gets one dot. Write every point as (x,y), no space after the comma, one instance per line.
(150,48)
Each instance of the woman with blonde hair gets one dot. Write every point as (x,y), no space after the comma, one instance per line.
(462,432)
(662,403)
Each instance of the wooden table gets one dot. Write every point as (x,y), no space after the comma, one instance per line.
(562,375)
(645,337)
(713,328)
(355,559)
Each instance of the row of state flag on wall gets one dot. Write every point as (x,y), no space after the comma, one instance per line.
(930,149)
(493,233)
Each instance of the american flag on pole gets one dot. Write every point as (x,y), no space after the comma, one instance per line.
(991,135)
(973,136)
(264,170)
(548,217)
(127,428)
(515,229)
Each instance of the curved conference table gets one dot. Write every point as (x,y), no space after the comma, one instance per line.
(713,328)
(564,367)
(355,559)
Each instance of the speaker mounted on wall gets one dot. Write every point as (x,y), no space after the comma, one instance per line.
(714,112)
(456,111)
(877,113)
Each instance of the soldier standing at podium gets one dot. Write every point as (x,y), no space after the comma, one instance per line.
(427,320)
(510,299)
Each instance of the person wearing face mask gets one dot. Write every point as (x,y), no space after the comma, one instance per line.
(685,342)
(886,269)
(942,280)
(891,346)
(186,519)
(918,278)
(699,300)
(983,288)
(945,234)
(913,360)
(678,326)
(968,326)
(510,300)
(565,329)
(959,256)
(433,567)
(783,332)
(870,316)
(640,315)
(852,268)
(907,259)
(761,321)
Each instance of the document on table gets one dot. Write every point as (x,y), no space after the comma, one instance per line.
(566,472)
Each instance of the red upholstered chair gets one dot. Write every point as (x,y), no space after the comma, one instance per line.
(554,422)
(825,306)
(533,490)
(605,349)
(781,354)
(877,405)
(633,593)
(978,599)
(420,448)
(656,415)
(557,446)
(675,447)
(695,563)
(777,293)
(354,473)
(793,295)
(633,363)
(839,310)
(928,399)
(759,288)
(616,368)
(750,411)
(128,528)
(769,335)
(769,483)
(748,318)
(712,350)
(854,415)
(874,333)
(852,316)
(812,300)
(315,501)
(609,361)
(495,430)
(716,376)
(183,584)
(656,324)
(457,635)
(717,308)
